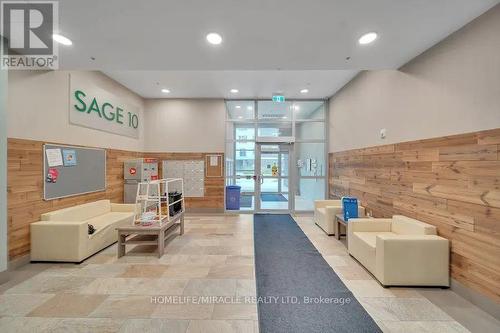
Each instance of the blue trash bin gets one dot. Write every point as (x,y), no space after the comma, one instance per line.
(233,197)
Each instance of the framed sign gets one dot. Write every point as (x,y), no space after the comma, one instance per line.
(214,165)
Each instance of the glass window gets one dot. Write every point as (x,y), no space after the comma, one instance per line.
(240,110)
(309,110)
(269,110)
(310,130)
(269,185)
(247,184)
(308,191)
(267,162)
(310,159)
(248,120)
(247,202)
(275,129)
(240,131)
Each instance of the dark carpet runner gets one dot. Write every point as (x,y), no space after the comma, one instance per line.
(296,288)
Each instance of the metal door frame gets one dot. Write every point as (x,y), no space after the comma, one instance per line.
(259,178)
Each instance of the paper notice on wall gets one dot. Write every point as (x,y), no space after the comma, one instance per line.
(214,160)
(54,157)
(69,156)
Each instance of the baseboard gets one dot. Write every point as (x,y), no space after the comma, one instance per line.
(204,210)
(18,262)
(4,276)
(479,300)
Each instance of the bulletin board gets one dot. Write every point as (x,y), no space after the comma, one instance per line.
(71,170)
(214,166)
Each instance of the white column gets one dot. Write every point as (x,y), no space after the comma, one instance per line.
(3,172)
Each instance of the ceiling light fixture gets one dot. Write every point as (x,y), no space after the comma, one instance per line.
(214,38)
(296,107)
(367,38)
(238,106)
(304,91)
(249,108)
(165,91)
(62,40)
(234,91)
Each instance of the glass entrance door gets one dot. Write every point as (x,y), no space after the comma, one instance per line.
(273,183)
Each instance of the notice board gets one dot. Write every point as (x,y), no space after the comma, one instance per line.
(214,165)
(71,170)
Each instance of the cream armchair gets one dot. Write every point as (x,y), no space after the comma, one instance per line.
(325,211)
(400,251)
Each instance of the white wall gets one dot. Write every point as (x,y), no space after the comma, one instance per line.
(38,109)
(184,125)
(452,88)
(3,171)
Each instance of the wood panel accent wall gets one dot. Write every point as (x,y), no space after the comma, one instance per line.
(451,182)
(214,186)
(25,201)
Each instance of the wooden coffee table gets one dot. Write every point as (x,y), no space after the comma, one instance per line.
(155,234)
(339,221)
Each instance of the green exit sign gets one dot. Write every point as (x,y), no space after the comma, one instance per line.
(278,98)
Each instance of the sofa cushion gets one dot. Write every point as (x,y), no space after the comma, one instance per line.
(321,211)
(362,246)
(110,220)
(370,238)
(403,225)
(79,213)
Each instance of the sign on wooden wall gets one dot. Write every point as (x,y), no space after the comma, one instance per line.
(93,107)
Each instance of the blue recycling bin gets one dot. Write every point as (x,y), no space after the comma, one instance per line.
(233,197)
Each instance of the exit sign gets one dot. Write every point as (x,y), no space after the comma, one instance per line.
(278,98)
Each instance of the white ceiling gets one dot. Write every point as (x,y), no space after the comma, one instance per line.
(217,84)
(259,35)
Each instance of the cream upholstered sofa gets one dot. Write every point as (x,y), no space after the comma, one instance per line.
(400,251)
(62,235)
(325,211)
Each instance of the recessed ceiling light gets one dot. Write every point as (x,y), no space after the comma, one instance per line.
(238,106)
(296,107)
(62,40)
(284,117)
(214,38)
(367,38)
(234,91)
(165,91)
(240,117)
(249,108)
(304,91)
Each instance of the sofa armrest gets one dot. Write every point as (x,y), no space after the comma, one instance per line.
(324,203)
(412,260)
(125,208)
(59,240)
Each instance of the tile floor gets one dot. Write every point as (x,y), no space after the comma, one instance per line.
(214,258)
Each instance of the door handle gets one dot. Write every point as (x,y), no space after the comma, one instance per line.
(261,179)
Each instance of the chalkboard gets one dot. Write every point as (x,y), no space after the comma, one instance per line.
(83,170)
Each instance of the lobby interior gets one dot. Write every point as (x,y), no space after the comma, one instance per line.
(268,117)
